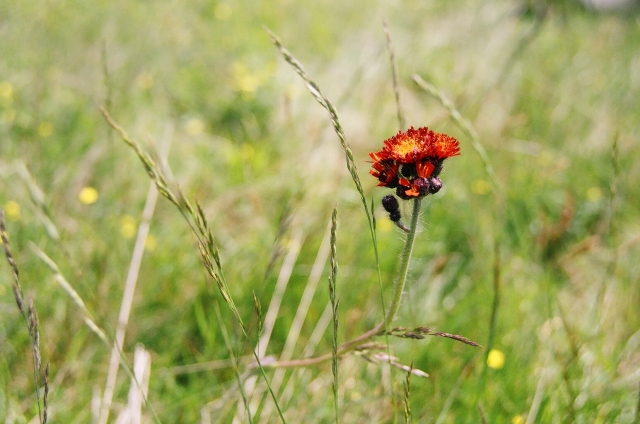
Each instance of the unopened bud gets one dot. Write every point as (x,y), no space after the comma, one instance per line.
(435,184)
(390,203)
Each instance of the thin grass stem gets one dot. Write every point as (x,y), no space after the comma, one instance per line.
(493,320)
(407,393)
(334,306)
(636,419)
(482,415)
(394,74)
(234,362)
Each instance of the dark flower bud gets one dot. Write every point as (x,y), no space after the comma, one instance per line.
(394,216)
(435,184)
(437,167)
(390,203)
(421,185)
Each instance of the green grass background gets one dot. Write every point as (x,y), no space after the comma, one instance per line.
(554,100)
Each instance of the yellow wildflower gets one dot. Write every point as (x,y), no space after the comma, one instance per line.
(194,126)
(594,194)
(518,419)
(88,195)
(6,90)
(45,129)
(144,80)
(12,209)
(481,187)
(128,226)
(150,243)
(495,359)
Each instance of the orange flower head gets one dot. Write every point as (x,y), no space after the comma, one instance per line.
(445,146)
(411,161)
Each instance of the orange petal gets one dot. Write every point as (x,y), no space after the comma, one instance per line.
(424,169)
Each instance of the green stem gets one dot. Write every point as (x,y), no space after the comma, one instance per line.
(404,264)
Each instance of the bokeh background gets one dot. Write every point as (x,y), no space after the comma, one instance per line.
(540,268)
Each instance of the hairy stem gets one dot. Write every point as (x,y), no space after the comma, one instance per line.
(404,264)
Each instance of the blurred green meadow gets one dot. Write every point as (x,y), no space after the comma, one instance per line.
(538,264)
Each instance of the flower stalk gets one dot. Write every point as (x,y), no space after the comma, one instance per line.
(404,263)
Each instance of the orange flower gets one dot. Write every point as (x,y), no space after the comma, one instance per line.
(411,161)
(384,170)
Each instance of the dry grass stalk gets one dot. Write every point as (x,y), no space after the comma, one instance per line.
(420,333)
(368,353)
(132,413)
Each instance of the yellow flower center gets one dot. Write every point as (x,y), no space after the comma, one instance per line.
(405,146)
